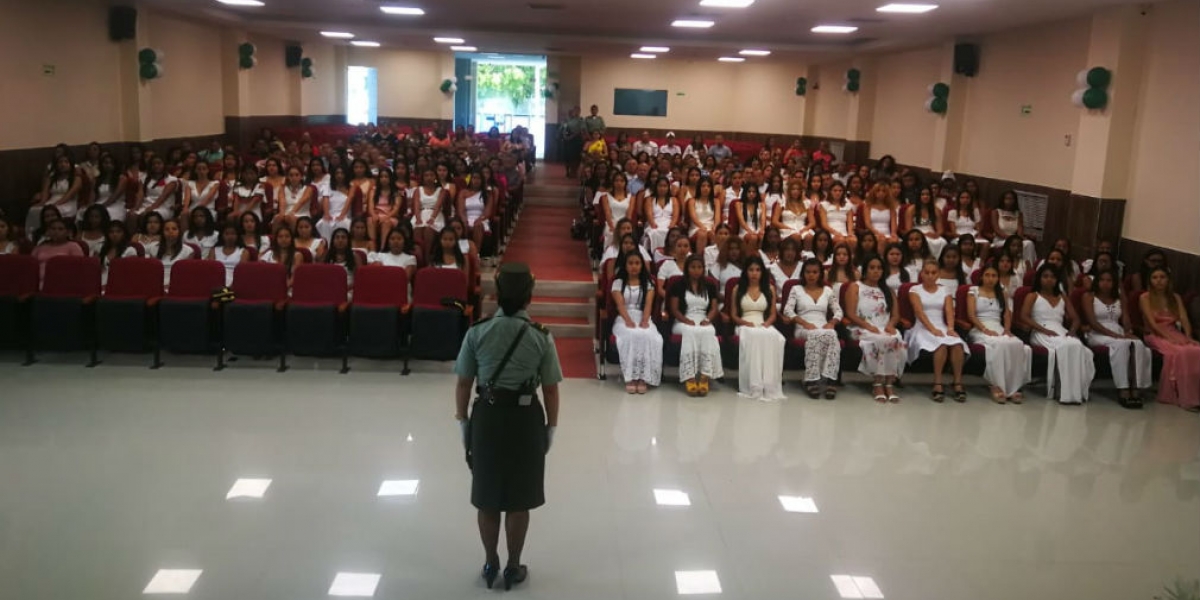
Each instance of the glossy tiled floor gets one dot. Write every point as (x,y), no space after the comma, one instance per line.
(108,476)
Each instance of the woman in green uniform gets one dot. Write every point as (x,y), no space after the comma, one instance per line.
(506,358)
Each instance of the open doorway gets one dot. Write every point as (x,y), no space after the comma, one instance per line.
(362,95)
(509,92)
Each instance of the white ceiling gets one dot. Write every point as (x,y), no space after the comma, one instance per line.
(617,27)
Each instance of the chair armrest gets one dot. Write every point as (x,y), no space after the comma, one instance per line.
(281,305)
(153,302)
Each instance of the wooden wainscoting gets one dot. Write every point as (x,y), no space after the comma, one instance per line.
(1185,267)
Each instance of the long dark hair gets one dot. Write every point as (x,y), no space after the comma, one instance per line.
(110,177)
(622,275)
(705,289)
(347,255)
(927,209)
(958,272)
(764,284)
(998,290)
(1058,282)
(276,250)
(166,249)
(744,201)
(438,257)
(883,286)
(391,188)
(108,246)
(903,273)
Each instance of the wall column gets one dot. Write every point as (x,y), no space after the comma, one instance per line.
(1100,177)
(135,95)
(861,113)
(235,87)
(947,129)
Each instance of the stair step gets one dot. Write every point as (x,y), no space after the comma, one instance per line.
(568,327)
(576,308)
(555,289)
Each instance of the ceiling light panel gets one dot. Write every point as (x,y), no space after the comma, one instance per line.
(654,49)
(733,59)
(241,2)
(449,40)
(365,44)
(834,29)
(908,9)
(755,52)
(726,3)
(337,35)
(642,55)
(693,23)
(409,11)
(463,48)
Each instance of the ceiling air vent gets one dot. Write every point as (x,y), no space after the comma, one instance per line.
(546,6)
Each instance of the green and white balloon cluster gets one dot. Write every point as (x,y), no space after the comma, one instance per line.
(1094,93)
(150,63)
(306,68)
(801,86)
(938,101)
(246,58)
(449,86)
(852,80)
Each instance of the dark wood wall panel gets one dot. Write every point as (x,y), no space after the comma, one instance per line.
(1185,267)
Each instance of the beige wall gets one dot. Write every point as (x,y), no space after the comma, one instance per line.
(269,81)
(1036,67)
(830,104)
(1163,207)
(715,96)
(319,94)
(408,81)
(186,100)
(901,125)
(81,101)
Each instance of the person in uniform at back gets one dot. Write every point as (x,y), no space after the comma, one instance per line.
(506,358)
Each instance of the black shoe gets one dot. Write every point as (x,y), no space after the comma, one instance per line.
(489,574)
(515,575)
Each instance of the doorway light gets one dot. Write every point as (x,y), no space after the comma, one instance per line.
(463,48)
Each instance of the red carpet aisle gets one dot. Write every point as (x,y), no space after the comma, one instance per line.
(565,285)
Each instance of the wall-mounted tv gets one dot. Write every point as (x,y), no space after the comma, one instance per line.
(640,103)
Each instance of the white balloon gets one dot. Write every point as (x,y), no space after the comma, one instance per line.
(1081,78)
(1077,98)
(929,104)
(161,70)
(930,88)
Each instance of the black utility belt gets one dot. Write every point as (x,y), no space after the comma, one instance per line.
(513,398)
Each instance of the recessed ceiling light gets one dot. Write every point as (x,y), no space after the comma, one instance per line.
(248,488)
(693,23)
(697,582)
(642,55)
(365,44)
(448,40)
(912,9)
(849,586)
(463,48)
(341,35)
(671,498)
(411,11)
(242,2)
(654,49)
(727,3)
(798,504)
(755,52)
(731,59)
(354,584)
(173,581)
(399,487)
(834,29)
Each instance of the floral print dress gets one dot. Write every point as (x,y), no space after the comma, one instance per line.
(883,354)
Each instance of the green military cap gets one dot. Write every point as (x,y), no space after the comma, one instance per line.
(514,281)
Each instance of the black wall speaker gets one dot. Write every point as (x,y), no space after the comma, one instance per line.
(966,59)
(122,23)
(293,54)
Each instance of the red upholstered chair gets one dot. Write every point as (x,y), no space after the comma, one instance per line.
(362,255)
(186,316)
(63,312)
(308,256)
(440,314)
(248,328)
(314,316)
(907,317)
(124,316)
(19,275)
(379,312)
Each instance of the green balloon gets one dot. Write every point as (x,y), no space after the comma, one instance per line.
(941,90)
(852,85)
(246,62)
(1099,77)
(246,50)
(306,72)
(148,71)
(1095,98)
(938,105)
(147,56)
(853,74)
(306,62)
(446,85)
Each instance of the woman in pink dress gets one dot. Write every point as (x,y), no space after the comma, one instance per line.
(1169,332)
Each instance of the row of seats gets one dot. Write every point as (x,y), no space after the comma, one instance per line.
(256,316)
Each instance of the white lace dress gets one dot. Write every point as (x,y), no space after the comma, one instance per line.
(1070,360)
(760,353)
(822,352)
(699,352)
(1009,360)
(640,349)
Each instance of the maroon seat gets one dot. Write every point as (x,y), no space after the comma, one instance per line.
(124,314)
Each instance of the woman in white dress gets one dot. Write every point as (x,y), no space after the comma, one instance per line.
(965,219)
(336,205)
(662,213)
(615,204)
(815,311)
(733,193)
(1054,324)
(172,249)
(396,253)
(428,202)
(789,265)
(1012,246)
(248,195)
(639,343)
(295,199)
(93,228)
(760,345)
(894,272)
(702,214)
(158,193)
(879,214)
(675,266)
(1009,360)
(751,217)
(307,238)
(728,265)
(925,217)
(916,254)
(950,270)
(968,255)
(230,253)
(774,197)
(794,218)
(933,309)
(1007,221)
(475,208)
(836,216)
(61,189)
(110,190)
(842,270)
(1109,326)
(873,313)
(693,308)
(201,230)
(116,245)
(200,191)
